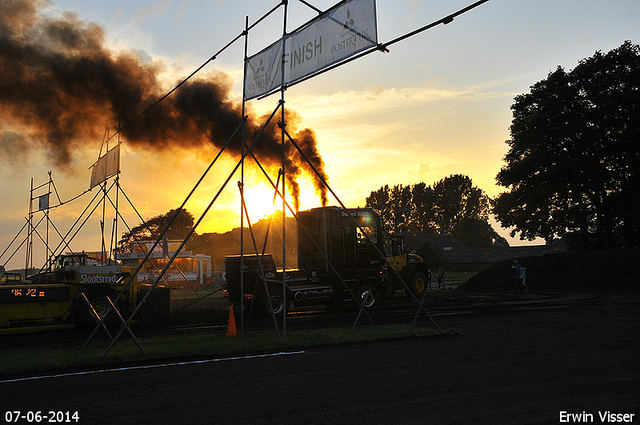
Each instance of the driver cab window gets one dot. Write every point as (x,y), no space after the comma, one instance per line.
(362,239)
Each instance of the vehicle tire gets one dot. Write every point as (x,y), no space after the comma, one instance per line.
(368,295)
(389,289)
(97,297)
(418,284)
(276,302)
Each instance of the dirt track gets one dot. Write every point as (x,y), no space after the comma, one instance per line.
(513,367)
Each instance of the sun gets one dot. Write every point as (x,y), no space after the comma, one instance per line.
(259,199)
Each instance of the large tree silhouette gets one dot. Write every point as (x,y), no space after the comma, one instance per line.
(574,155)
(153,228)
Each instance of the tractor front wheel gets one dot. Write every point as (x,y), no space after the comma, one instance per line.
(418,284)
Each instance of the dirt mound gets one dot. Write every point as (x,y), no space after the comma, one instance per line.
(573,270)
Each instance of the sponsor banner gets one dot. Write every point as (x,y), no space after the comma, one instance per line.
(98,278)
(329,39)
(356,213)
(263,71)
(106,166)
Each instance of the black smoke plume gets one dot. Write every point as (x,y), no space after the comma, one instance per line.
(60,87)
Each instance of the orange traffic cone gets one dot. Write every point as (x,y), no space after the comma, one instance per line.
(231,324)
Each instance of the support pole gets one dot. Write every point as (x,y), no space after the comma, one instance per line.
(284,173)
(241,183)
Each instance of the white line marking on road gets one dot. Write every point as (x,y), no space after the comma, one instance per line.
(153,366)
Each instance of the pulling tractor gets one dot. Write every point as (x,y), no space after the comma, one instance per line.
(72,292)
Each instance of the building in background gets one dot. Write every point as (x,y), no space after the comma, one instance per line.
(187,270)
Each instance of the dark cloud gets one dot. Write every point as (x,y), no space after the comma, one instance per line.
(61,83)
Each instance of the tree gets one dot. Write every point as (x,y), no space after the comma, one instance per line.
(380,200)
(574,155)
(452,206)
(394,204)
(153,228)
(455,201)
(423,199)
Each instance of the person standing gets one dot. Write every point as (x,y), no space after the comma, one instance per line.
(519,273)
(441,273)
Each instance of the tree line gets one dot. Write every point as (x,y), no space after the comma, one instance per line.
(451,206)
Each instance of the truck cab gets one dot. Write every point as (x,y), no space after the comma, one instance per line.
(9,278)
(338,260)
(74,268)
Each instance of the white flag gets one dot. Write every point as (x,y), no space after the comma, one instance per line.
(106,166)
(43,202)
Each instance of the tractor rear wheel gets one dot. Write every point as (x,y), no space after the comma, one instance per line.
(97,297)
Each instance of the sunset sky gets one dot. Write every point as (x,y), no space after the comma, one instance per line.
(437,104)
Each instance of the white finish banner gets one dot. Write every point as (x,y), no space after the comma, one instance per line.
(331,38)
(263,71)
(106,166)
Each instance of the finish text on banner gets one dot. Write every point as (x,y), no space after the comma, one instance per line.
(334,36)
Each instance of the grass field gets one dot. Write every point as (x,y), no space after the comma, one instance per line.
(50,360)
(185,305)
